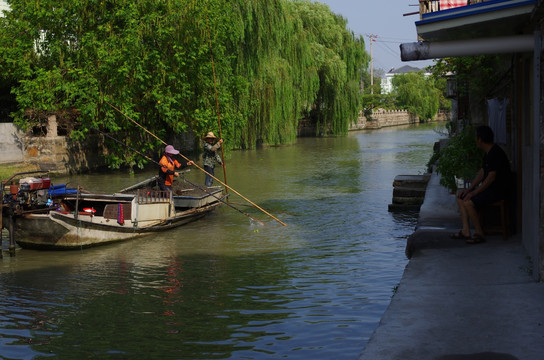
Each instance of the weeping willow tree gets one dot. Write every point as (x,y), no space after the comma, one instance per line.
(275,61)
(339,56)
(293,57)
(418,94)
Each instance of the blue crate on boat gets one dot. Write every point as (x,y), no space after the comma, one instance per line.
(61,189)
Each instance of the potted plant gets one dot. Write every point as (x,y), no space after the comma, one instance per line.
(460,158)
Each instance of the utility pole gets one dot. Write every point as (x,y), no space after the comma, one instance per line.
(371,38)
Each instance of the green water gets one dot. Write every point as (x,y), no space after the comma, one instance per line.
(226,286)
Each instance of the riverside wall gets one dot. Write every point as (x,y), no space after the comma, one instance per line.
(386,118)
(11,144)
(378,120)
(60,154)
(50,152)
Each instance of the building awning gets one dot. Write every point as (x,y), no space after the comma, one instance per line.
(424,50)
(492,18)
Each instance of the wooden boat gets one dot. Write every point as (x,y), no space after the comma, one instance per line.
(74,221)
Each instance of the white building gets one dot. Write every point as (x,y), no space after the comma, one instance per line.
(387,80)
(3,6)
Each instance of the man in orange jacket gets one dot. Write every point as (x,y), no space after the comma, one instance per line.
(168,168)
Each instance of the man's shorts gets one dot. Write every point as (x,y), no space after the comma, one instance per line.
(485,198)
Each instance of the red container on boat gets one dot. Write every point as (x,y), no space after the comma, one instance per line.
(36,183)
(46,183)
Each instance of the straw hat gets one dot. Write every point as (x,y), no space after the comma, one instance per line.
(210,135)
(170,150)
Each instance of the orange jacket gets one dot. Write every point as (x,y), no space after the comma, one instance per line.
(167,169)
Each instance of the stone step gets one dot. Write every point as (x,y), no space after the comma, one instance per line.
(414,181)
(403,207)
(404,191)
(407,200)
(408,192)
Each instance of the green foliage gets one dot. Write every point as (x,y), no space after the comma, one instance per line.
(417,93)
(376,88)
(337,57)
(460,158)
(473,73)
(274,61)
(440,84)
(371,102)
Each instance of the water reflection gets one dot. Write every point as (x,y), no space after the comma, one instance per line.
(226,286)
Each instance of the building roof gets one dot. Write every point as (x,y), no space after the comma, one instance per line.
(404,69)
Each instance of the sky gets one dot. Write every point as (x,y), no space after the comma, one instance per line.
(383,18)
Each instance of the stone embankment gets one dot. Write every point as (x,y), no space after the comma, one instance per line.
(378,120)
(50,152)
(386,118)
(60,154)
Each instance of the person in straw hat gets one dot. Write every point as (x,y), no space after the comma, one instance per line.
(211,157)
(168,168)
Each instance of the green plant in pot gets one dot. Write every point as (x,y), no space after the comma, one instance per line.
(460,158)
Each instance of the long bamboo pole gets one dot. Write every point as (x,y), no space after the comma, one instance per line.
(195,185)
(199,168)
(224,166)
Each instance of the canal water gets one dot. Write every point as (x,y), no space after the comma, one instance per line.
(226,286)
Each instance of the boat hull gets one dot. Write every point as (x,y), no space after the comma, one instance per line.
(59,231)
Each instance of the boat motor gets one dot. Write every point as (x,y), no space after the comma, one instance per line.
(33,192)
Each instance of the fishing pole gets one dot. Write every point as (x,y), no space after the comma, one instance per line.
(229,204)
(216,95)
(268,209)
(195,185)
(199,168)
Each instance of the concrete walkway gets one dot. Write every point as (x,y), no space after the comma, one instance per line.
(460,301)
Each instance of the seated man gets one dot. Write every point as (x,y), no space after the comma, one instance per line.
(490,185)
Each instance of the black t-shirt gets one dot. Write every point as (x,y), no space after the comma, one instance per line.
(496,160)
